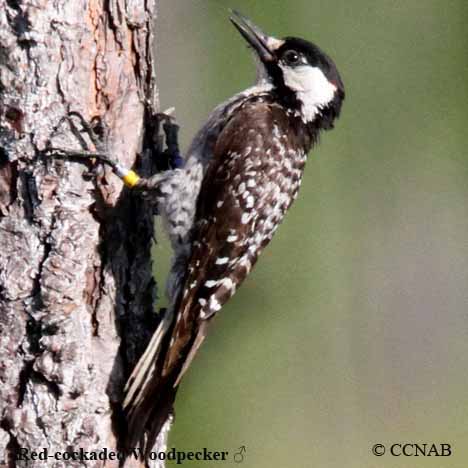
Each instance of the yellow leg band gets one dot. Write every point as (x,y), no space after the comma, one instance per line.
(131,179)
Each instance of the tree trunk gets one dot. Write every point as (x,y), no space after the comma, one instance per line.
(76,285)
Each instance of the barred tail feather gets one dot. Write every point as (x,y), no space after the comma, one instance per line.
(151,389)
(143,390)
(146,367)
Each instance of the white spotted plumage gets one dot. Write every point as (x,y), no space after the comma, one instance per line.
(242,172)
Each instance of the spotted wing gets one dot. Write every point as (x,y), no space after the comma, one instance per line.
(245,194)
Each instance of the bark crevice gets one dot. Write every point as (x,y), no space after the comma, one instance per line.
(76,285)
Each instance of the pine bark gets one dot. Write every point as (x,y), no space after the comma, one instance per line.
(76,287)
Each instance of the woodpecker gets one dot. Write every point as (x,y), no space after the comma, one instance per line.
(221,208)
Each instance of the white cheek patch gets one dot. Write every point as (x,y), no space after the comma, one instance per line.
(311,86)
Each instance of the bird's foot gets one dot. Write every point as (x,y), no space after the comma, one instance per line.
(170,158)
(90,133)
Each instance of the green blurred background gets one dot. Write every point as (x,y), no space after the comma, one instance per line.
(353,328)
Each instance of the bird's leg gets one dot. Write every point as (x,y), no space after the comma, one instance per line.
(171,156)
(94,131)
(172,152)
(166,160)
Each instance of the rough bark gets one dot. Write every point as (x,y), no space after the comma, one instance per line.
(76,285)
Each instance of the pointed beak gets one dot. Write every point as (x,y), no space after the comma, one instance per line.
(262,44)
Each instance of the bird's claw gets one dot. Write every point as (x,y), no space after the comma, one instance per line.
(95,132)
(172,156)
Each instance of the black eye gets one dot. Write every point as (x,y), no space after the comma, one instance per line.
(291,57)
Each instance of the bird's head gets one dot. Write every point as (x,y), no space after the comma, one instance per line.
(303,76)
